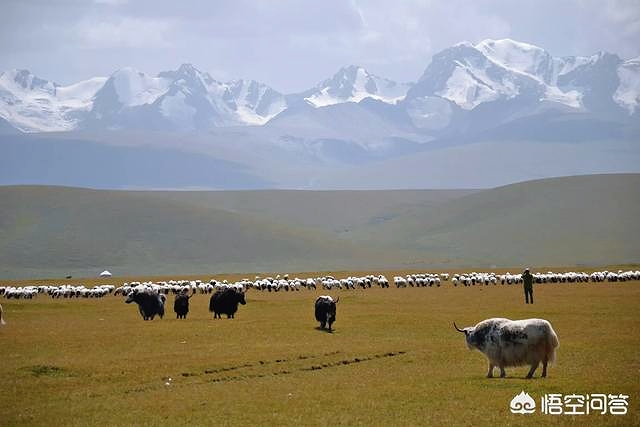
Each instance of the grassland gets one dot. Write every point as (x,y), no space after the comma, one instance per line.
(393,359)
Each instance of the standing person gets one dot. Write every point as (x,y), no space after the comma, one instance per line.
(527,281)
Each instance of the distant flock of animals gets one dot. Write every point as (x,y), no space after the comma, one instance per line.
(283,283)
(503,341)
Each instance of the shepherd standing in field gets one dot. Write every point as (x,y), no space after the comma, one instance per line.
(527,282)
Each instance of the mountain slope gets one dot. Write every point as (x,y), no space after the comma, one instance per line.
(560,221)
(570,221)
(492,70)
(353,84)
(55,231)
(496,81)
(33,104)
(185,99)
(334,212)
(82,162)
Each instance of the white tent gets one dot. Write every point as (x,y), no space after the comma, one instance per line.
(105,273)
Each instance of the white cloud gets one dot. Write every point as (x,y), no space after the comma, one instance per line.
(111,2)
(625,16)
(125,32)
(405,35)
(294,44)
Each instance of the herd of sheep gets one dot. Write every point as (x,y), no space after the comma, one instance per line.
(284,283)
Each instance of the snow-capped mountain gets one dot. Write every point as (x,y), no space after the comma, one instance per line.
(476,110)
(353,84)
(466,88)
(32,104)
(628,92)
(185,99)
(497,73)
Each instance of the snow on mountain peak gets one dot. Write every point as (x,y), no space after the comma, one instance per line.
(24,81)
(463,76)
(506,45)
(80,93)
(353,84)
(136,88)
(191,76)
(462,44)
(628,93)
(255,103)
(33,104)
(499,70)
(518,56)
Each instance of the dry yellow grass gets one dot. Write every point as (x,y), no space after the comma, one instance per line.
(394,359)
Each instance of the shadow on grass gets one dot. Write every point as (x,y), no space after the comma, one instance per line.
(329,331)
(513,378)
(47,370)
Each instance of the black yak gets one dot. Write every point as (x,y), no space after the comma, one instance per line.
(225,301)
(325,308)
(181,305)
(149,303)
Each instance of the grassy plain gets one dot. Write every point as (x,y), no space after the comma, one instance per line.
(393,359)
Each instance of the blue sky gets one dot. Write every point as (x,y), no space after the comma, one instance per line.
(292,45)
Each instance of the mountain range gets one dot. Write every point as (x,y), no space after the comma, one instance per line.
(493,93)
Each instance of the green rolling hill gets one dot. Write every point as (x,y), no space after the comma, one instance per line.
(579,220)
(572,221)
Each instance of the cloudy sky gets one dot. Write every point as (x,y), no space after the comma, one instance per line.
(292,45)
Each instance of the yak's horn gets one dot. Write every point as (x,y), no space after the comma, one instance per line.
(457,329)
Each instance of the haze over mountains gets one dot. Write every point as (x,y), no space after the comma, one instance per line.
(476,109)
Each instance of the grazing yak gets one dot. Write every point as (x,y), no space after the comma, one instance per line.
(325,308)
(149,303)
(181,305)
(225,301)
(513,343)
